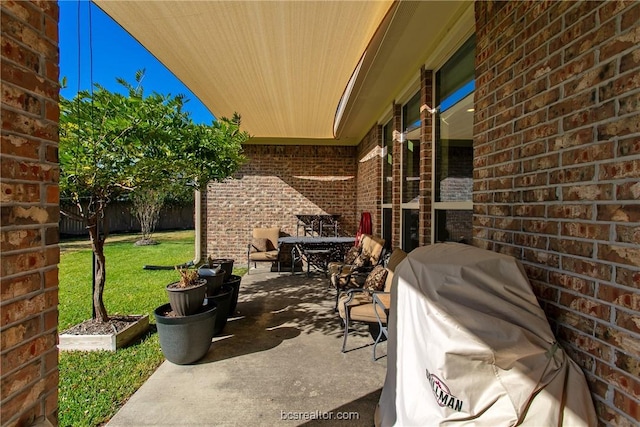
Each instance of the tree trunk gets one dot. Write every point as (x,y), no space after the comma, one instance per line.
(97,244)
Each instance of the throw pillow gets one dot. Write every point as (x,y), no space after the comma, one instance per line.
(261,244)
(376,279)
(361,261)
(351,255)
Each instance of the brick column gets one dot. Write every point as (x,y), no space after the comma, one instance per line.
(426,155)
(369,182)
(396,229)
(29,213)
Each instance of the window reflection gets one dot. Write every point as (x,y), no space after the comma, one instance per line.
(411,150)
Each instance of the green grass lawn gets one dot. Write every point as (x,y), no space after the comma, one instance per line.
(94,385)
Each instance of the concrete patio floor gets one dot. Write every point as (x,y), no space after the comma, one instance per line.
(277,362)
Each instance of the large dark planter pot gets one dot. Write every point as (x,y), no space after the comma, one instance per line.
(234,282)
(185,339)
(223,300)
(214,278)
(226,264)
(186,301)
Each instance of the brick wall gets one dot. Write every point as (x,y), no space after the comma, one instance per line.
(426,155)
(557,168)
(277,182)
(396,230)
(29,213)
(369,182)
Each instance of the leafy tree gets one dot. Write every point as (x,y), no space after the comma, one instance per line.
(111,144)
(146,204)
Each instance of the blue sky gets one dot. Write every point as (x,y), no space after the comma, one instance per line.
(113,53)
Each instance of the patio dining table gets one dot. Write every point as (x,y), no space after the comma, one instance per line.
(317,252)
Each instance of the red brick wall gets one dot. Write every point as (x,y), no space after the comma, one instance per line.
(557,168)
(396,230)
(369,183)
(426,155)
(277,182)
(29,213)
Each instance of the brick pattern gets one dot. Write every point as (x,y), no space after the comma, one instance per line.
(556,175)
(277,182)
(369,182)
(29,213)
(426,156)
(396,228)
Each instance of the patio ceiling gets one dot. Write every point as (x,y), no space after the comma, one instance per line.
(284,65)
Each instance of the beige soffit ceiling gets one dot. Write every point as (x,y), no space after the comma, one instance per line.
(413,34)
(283,65)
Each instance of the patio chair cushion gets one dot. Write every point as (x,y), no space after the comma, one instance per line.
(376,280)
(264,256)
(396,258)
(271,233)
(388,281)
(361,308)
(264,246)
(372,247)
(359,298)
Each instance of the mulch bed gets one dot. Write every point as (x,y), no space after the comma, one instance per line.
(93,327)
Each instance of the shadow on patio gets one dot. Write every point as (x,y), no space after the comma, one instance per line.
(278,361)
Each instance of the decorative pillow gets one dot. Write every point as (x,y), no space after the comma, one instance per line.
(361,261)
(351,255)
(376,279)
(261,244)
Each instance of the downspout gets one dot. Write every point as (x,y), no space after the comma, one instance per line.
(198,227)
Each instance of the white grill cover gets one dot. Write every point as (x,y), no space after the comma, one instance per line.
(469,345)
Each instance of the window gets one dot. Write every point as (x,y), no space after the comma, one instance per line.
(387,181)
(410,173)
(453,179)
(387,164)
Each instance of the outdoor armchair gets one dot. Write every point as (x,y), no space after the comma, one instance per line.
(370,304)
(359,261)
(263,247)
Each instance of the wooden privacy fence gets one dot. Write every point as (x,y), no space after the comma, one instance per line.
(121,220)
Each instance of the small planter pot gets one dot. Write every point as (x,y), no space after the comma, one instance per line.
(223,301)
(226,264)
(185,339)
(234,282)
(214,278)
(186,301)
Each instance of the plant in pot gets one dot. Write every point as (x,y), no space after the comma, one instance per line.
(214,275)
(187,295)
(218,292)
(229,278)
(225,263)
(186,338)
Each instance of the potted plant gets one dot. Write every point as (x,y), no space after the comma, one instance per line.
(187,295)
(222,299)
(186,338)
(225,263)
(214,275)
